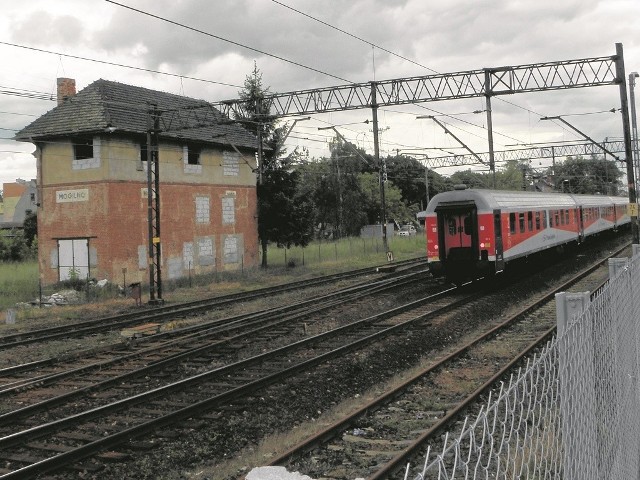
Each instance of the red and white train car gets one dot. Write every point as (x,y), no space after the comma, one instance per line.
(477,232)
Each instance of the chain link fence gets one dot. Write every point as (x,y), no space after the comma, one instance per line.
(573,412)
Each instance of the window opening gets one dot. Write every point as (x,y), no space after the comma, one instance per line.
(193,156)
(521,221)
(467,225)
(83,148)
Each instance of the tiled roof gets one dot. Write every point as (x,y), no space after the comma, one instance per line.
(106,104)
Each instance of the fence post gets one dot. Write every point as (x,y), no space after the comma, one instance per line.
(617,265)
(576,377)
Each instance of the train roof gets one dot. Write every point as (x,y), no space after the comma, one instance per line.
(501,199)
(504,199)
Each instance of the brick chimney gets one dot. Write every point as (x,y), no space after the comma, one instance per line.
(66,89)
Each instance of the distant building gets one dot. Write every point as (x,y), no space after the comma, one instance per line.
(18,200)
(91,154)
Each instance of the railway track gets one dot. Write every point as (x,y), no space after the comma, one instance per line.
(379,439)
(202,344)
(56,434)
(169,312)
(77,436)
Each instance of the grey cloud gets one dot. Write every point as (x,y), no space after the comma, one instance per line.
(42,28)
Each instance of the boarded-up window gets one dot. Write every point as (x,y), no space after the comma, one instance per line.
(230,249)
(206,251)
(228,210)
(202,210)
(230,164)
(73,259)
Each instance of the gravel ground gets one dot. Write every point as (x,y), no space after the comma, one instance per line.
(250,432)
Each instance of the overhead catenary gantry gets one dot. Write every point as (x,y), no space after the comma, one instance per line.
(521,154)
(486,82)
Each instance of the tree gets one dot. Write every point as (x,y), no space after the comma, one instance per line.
(30,228)
(284,218)
(588,176)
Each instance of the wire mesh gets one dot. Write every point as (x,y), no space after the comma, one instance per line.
(573,412)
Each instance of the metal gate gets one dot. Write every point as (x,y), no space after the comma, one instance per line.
(73,259)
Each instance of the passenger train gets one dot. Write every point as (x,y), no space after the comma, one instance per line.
(472,233)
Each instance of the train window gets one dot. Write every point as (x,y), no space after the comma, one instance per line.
(496,225)
(521,221)
(544,219)
(551,218)
(468,227)
(566,217)
(530,220)
(512,222)
(453,226)
(556,214)
(537,220)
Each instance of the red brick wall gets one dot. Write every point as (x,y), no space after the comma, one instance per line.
(115,217)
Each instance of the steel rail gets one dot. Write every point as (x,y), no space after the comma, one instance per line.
(168,311)
(13,415)
(60,460)
(227,323)
(398,461)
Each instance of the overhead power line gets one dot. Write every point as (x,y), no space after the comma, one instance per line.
(87,59)
(193,29)
(354,36)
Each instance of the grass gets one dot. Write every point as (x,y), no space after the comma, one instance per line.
(351,252)
(19,281)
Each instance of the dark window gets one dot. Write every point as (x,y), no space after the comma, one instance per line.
(453,226)
(467,225)
(496,225)
(143,152)
(530,221)
(193,157)
(566,217)
(512,222)
(537,220)
(544,219)
(521,221)
(83,148)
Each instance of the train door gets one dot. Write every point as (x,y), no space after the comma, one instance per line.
(458,227)
(580,225)
(497,228)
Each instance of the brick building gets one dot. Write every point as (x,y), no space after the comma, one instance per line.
(91,154)
(18,200)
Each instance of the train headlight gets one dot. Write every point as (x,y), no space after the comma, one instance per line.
(436,247)
(482,245)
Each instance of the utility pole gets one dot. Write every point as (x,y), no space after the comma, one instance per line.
(634,127)
(381,164)
(624,109)
(487,95)
(153,207)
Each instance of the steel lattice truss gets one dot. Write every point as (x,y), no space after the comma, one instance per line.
(524,154)
(588,72)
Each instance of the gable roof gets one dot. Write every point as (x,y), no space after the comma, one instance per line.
(105,104)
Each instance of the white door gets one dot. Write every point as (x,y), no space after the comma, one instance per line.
(73,259)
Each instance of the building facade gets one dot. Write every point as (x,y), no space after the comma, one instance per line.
(19,199)
(91,154)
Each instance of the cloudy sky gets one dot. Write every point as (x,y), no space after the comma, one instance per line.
(302,44)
